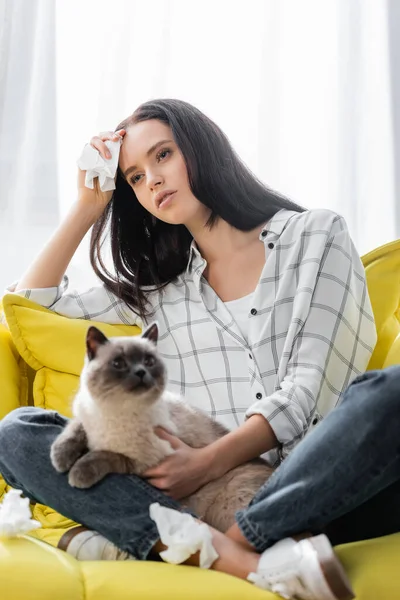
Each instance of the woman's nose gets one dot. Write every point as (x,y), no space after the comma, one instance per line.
(154,180)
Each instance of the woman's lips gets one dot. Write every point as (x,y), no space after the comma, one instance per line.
(166,201)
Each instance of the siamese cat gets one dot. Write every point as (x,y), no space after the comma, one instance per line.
(121,399)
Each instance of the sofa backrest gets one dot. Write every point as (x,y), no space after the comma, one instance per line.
(382,267)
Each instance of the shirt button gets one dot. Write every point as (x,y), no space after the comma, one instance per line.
(264,233)
(253,311)
(258,395)
(270,245)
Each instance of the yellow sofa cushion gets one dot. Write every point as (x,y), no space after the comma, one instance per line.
(372,566)
(54,346)
(393,356)
(32,570)
(13,386)
(382,269)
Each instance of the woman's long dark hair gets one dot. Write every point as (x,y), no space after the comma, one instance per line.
(149,252)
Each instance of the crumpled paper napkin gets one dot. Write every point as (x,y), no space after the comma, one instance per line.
(183,535)
(95,165)
(15,515)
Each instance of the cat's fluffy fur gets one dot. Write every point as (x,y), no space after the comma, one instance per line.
(121,400)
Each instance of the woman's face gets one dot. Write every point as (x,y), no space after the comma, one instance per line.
(152,165)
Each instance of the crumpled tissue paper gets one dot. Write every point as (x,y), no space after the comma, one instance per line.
(15,515)
(183,535)
(95,165)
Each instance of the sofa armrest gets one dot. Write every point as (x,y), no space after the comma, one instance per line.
(12,383)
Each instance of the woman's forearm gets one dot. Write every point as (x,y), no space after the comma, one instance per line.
(249,441)
(48,268)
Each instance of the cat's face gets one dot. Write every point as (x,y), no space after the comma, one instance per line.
(120,369)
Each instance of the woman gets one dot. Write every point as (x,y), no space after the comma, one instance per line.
(264,321)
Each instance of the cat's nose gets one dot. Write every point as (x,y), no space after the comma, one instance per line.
(140,373)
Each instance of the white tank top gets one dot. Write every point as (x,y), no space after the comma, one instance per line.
(239,310)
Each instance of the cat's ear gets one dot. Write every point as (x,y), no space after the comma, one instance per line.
(151,333)
(94,339)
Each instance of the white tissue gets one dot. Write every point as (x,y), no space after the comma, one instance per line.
(183,535)
(15,515)
(95,165)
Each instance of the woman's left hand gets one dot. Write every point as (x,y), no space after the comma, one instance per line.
(182,473)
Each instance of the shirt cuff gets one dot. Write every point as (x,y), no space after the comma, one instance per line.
(286,419)
(45,297)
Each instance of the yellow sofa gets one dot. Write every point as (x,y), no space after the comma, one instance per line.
(41,355)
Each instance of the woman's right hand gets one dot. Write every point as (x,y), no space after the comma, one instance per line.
(96,199)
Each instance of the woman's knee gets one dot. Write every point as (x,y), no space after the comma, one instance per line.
(14,427)
(379,391)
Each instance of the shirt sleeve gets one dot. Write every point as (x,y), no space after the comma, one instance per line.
(334,341)
(97,303)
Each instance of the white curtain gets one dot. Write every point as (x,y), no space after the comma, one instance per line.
(302,89)
(29,204)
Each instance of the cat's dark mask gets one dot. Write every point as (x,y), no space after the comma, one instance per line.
(95,338)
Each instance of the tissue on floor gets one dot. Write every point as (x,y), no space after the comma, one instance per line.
(15,515)
(183,535)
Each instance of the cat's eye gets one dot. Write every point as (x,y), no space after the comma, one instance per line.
(148,361)
(119,363)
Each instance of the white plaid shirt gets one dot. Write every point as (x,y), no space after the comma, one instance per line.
(310,333)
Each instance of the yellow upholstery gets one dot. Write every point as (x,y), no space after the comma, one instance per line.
(12,386)
(382,267)
(32,570)
(54,347)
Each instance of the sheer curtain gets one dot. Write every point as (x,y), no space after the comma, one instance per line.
(302,89)
(29,201)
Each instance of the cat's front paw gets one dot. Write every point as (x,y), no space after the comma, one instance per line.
(84,474)
(61,459)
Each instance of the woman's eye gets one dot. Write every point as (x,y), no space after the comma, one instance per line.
(135,179)
(160,156)
(148,361)
(119,363)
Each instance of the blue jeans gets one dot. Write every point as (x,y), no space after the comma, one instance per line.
(342,479)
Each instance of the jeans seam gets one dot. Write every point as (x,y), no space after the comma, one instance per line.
(9,480)
(251,532)
(143,548)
